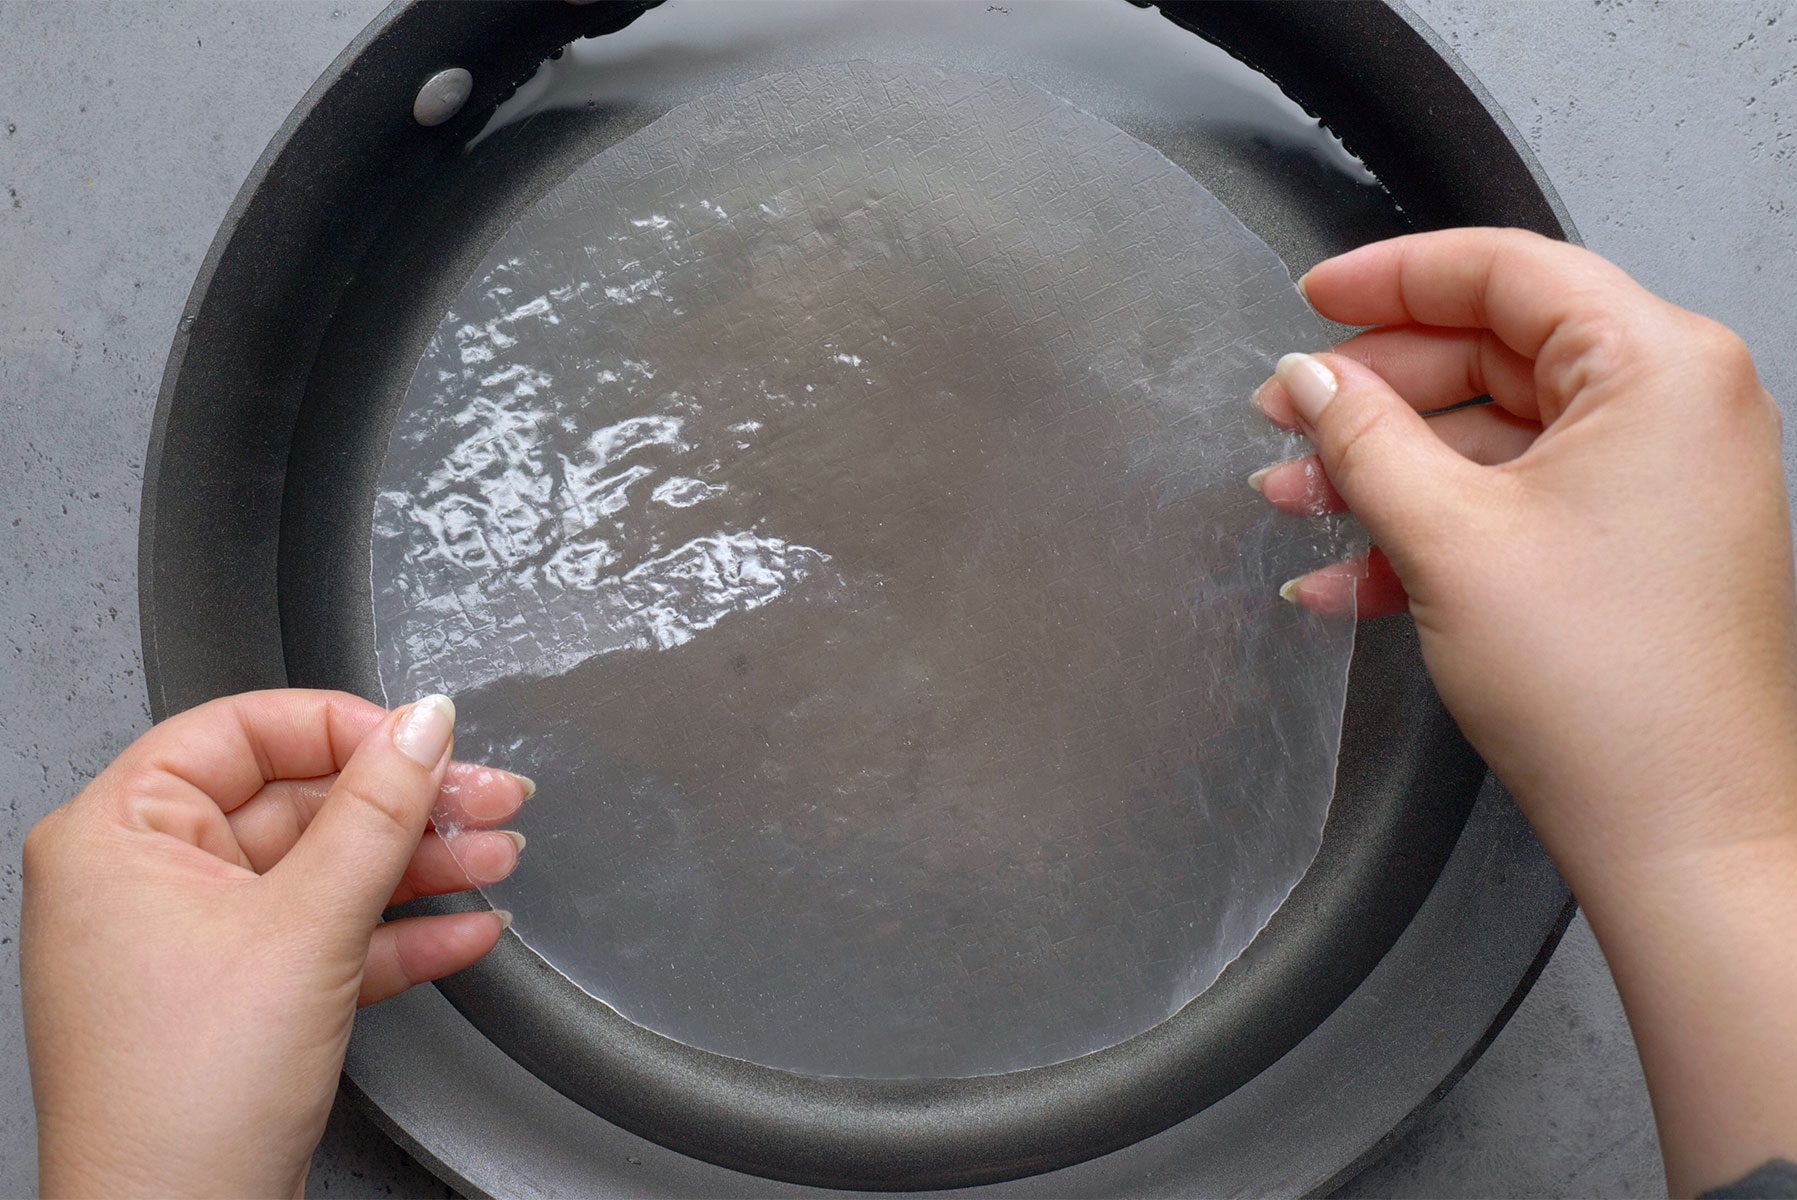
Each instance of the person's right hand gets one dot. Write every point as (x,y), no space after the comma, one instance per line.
(1600,568)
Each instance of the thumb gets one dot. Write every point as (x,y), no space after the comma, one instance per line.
(1401,480)
(355,851)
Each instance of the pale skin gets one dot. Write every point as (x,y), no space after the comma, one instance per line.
(188,1003)
(1599,564)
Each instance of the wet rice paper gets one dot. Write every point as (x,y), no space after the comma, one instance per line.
(833,494)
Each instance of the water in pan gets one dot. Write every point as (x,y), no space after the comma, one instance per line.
(833,495)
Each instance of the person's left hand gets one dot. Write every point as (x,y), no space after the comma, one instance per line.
(202,921)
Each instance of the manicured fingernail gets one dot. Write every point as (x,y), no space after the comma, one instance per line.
(1289,590)
(526,782)
(423,733)
(1309,383)
(505,917)
(1258,480)
(517,838)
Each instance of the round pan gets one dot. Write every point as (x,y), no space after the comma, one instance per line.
(333,268)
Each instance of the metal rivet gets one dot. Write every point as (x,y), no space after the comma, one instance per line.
(442,96)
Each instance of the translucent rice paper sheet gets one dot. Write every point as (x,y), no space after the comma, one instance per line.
(834,495)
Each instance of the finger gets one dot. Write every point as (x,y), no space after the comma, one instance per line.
(1432,369)
(184,775)
(420,949)
(270,822)
(1366,586)
(1521,286)
(1486,435)
(1405,484)
(476,860)
(267,827)
(228,748)
(1298,486)
(352,856)
(481,796)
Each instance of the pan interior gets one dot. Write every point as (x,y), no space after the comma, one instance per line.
(322,292)
(833,495)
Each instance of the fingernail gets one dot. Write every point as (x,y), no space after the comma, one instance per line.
(526,782)
(1309,383)
(517,838)
(1277,406)
(1289,590)
(505,917)
(1304,284)
(1260,396)
(1258,480)
(423,733)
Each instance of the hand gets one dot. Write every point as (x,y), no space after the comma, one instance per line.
(1599,565)
(202,921)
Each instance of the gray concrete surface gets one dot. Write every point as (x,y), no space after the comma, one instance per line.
(1670,129)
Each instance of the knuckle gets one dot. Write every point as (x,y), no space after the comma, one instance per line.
(1358,429)
(406,966)
(1568,255)
(1725,364)
(346,702)
(1483,363)
(1759,411)
(141,795)
(1521,239)
(298,808)
(1720,346)
(358,794)
(1584,256)
(1752,404)
(43,844)
(388,972)
(1587,348)
(1527,245)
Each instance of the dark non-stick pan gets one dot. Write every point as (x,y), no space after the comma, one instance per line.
(1422,921)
